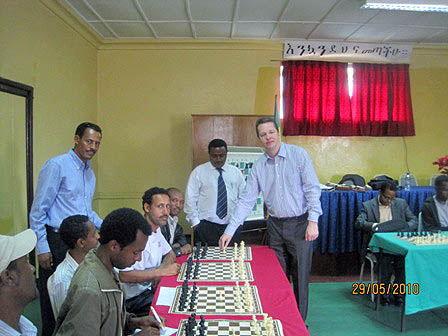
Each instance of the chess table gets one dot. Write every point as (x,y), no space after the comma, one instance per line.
(274,292)
(226,327)
(425,267)
(217,300)
(216,271)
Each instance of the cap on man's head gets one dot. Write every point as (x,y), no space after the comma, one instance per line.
(15,247)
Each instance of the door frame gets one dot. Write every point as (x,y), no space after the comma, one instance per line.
(26,91)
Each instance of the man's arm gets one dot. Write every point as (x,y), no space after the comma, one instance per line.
(430,218)
(191,208)
(47,189)
(180,241)
(411,219)
(362,222)
(83,317)
(311,188)
(246,201)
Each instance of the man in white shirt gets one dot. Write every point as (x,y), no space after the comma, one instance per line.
(173,232)
(212,194)
(80,236)
(17,283)
(158,259)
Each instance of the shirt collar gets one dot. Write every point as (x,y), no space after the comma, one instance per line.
(281,152)
(173,220)
(212,167)
(78,162)
(72,262)
(440,203)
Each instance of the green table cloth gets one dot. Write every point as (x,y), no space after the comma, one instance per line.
(426,269)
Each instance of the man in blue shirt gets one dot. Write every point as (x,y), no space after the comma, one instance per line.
(291,192)
(65,187)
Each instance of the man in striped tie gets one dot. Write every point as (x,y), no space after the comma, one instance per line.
(212,193)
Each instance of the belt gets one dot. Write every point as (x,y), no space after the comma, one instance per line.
(301,217)
(52,229)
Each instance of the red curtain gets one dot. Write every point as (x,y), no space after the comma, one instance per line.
(381,101)
(316,99)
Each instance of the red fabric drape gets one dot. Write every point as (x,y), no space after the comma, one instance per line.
(316,99)
(381,101)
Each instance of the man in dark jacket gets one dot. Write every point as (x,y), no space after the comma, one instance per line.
(381,214)
(173,231)
(435,208)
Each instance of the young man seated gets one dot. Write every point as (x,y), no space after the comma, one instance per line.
(158,258)
(95,301)
(435,208)
(80,236)
(173,232)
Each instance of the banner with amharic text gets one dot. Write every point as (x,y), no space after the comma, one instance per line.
(362,52)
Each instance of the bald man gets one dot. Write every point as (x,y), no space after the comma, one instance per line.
(173,232)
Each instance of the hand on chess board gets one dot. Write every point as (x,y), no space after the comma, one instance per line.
(148,324)
(171,269)
(224,241)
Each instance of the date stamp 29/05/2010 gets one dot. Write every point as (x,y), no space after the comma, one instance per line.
(359,288)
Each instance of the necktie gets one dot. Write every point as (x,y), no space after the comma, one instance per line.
(221,204)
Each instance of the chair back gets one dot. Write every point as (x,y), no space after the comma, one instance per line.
(420,223)
(51,295)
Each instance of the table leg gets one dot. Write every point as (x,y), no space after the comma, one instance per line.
(403,316)
(378,295)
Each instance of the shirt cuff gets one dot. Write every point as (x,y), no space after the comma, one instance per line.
(313,217)
(230,229)
(42,247)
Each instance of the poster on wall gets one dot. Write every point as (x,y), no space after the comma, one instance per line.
(244,158)
(362,52)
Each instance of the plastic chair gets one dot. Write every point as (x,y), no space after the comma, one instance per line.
(413,180)
(372,260)
(432,179)
(420,222)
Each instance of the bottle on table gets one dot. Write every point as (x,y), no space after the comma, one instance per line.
(407,181)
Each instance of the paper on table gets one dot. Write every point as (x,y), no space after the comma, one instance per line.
(166,296)
(167,331)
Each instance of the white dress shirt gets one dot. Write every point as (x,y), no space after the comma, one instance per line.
(27,328)
(172,223)
(59,283)
(156,247)
(202,192)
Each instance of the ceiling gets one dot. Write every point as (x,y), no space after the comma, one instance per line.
(329,20)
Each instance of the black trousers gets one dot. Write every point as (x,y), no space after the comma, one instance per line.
(392,264)
(140,305)
(58,250)
(209,232)
(294,253)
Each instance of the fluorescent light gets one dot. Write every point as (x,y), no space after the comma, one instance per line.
(408,5)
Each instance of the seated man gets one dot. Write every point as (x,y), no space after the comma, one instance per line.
(379,213)
(158,258)
(435,208)
(94,304)
(173,231)
(80,236)
(17,283)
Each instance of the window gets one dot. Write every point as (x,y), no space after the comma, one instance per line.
(344,99)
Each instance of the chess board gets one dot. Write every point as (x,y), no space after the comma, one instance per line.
(435,239)
(226,327)
(217,300)
(217,271)
(215,253)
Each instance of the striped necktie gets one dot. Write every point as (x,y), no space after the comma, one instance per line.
(221,204)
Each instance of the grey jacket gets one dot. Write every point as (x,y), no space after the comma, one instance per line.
(94,304)
(370,214)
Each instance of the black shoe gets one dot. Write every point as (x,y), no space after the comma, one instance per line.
(398,300)
(384,301)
